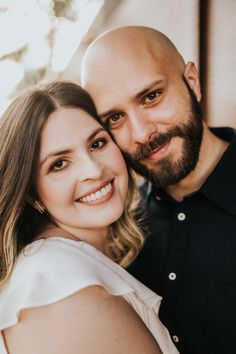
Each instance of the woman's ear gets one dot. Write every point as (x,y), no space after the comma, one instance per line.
(192,77)
(36,204)
(30,201)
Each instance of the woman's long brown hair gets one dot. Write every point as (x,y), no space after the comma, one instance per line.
(20,131)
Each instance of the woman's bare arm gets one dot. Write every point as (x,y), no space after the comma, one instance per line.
(91,321)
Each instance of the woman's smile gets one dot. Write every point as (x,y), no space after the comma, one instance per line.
(98,195)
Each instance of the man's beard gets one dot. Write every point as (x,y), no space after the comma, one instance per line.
(166,172)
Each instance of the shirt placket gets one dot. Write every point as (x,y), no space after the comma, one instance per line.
(176,258)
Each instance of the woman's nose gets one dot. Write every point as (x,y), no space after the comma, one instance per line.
(90,169)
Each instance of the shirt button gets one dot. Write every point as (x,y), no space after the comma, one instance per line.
(157,197)
(175,339)
(181,216)
(172,276)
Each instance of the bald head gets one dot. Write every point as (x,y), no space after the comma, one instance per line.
(137,79)
(110,50)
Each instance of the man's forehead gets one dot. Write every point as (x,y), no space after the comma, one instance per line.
(116,95)
(117,51)
(119,70)
(115,56)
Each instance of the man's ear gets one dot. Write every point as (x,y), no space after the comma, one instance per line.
(192,77)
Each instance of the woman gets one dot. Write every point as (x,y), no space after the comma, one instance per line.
(65,198)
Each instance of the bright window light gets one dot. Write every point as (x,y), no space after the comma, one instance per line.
(40,37)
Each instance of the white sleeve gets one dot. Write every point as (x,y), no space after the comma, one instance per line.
(49,271)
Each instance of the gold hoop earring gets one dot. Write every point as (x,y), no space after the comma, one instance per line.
(39,206)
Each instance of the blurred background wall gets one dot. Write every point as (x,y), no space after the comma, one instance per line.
(53,34)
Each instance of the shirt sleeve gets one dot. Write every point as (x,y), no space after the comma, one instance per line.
(51,270)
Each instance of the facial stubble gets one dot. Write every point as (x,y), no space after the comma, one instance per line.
(167,172)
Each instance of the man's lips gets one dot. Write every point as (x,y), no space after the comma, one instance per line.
(158,152)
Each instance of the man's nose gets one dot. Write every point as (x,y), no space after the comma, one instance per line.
(142,128)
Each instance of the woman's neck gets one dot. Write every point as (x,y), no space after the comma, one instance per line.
(96,239)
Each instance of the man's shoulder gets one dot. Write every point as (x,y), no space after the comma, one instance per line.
(224,133)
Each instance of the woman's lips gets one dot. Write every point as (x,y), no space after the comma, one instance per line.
(100,196)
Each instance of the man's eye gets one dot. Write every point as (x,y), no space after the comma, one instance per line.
(151,97)
(113,120)
(59,165)
(98,144)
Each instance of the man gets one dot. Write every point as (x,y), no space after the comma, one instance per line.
(149,98)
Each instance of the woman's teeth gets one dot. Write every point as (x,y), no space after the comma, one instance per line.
(98,195)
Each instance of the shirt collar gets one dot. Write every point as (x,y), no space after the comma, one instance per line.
(220,186)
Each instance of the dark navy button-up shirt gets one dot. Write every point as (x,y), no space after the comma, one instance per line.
(189,258)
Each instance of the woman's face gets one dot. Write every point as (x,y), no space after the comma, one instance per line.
(81,177)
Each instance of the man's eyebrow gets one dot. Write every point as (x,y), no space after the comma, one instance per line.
(108,113)
(137,96)
(148,88)
(66,151)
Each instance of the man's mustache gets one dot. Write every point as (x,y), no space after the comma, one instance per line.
(144,150)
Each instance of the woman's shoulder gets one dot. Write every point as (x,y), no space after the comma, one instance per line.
(87,321)
(68,259)
(49,270)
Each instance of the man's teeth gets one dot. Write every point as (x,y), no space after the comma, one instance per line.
(98,195)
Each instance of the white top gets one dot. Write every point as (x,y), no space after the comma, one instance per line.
(51,269)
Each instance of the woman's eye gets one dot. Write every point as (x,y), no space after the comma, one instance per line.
(150,97)
(59,165)
(98,144)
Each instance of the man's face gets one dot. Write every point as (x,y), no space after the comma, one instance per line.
(153,115)
(168,172)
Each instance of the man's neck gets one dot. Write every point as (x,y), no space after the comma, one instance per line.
(212,149)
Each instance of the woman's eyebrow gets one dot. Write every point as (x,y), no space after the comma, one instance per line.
(66,151)
(92,136)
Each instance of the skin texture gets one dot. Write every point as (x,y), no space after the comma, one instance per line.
(138,80)
(76,155)
(81,323)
